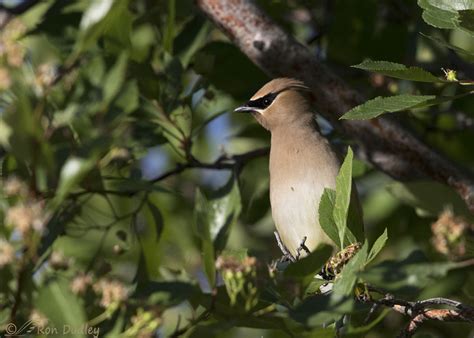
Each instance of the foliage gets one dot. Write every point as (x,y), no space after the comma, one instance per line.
(125,211)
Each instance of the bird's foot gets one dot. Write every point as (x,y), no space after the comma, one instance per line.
(287,256)
(302,247)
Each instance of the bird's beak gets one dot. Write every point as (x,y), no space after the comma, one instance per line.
(244,109)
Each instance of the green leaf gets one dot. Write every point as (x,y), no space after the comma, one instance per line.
(182,119)
(314,286)
(343,199)
(321,309)
(128,99)
(57,302)
(193,36)
(5,132)
(326,218)
(449,14)
(72,173)
(345,282)
(174,135)
(466,18)
(115,78)
(311,264)
(214,214)
(381,105)
(378,246)
(439,18)
(170,29)
(149,239)
(95,13)
(398,71)
(99,18)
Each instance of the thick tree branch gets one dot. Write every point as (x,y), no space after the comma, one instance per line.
(384,142)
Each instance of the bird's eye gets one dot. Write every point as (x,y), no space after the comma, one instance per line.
(267,102)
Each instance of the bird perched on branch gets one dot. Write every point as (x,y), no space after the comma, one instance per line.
(302,162)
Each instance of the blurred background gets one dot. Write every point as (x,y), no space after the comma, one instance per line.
(117,139)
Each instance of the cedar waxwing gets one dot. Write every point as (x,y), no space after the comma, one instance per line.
(302,162)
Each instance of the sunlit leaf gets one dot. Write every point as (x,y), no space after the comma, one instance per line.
(72,172)
(342,201)
(448,14)
(326,218)
(398,71)
(378,246)
(97,10)
(380,105)
(214,214)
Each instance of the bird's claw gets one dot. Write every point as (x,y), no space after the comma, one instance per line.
(302,247)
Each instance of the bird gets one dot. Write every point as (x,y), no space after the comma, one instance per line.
(302,162)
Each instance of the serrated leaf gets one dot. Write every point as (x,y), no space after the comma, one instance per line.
(380,105)
(438,14)
(440,19)
(345,282)
(326,218)
(311,264)
(343,199)
(450,14)
(378,246)
(398,71)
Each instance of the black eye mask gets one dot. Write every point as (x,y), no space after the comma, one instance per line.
(262,102)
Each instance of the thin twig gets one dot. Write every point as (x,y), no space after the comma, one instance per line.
(422,310)
(286,254)
(224,162)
